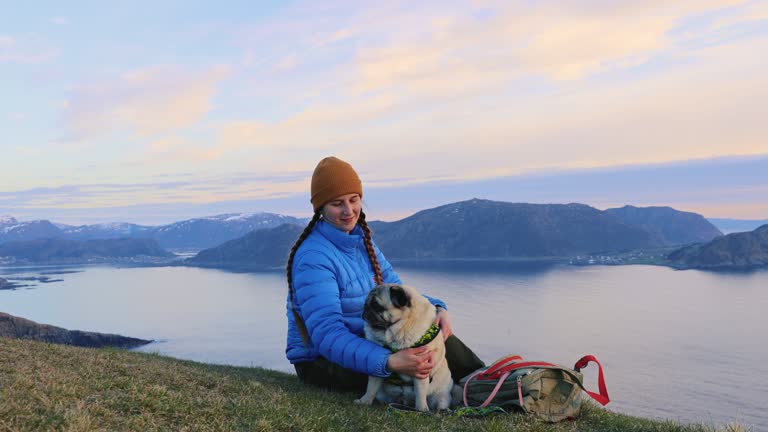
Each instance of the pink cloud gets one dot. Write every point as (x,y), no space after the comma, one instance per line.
(145,102)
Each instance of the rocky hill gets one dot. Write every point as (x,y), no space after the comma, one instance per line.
(740,250)
(20,328)
(491,229)
(260,249)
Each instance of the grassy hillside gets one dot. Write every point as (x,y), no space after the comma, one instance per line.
(55,387)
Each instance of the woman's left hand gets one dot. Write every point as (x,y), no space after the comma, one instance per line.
(444,322)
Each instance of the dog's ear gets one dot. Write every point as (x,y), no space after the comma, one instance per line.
(399,297)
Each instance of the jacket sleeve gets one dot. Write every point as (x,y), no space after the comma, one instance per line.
(319,304)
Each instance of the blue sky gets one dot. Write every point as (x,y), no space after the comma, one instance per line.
(155,112)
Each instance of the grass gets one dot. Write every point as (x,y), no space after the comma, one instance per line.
(55,387)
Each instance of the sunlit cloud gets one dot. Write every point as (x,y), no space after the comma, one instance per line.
(143,102)
(660,118)
(190,190)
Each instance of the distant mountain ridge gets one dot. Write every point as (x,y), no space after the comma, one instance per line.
(668,226)
(492,229)
(472,229)
(197,233)
(51,250)
(214,230)
(104,231)
(741,250)
(260,249)
(483,229)
(13,230)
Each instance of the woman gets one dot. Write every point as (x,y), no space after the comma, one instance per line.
(331,269)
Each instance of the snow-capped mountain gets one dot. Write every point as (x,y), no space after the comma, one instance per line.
(211,231)
(14,230)
(7,220)
(198,233)
(105,231)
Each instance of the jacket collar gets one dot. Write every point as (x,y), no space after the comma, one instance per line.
(338,237)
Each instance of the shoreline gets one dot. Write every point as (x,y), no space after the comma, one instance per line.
(578,261)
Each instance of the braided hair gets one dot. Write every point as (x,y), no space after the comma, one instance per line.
(378,279)
(289,273)
(369,247)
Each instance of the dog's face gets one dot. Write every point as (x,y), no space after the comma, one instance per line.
(387,304)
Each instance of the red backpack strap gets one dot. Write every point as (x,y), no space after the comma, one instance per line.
(490,397)
(500,363)
(515,366)
(601,397)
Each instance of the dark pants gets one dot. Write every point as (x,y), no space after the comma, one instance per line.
(323,373)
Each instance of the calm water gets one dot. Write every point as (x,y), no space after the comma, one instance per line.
(684,345)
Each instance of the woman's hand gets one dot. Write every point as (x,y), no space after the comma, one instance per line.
(416,362)
(444,322)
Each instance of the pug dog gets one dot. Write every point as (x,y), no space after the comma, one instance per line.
(398,317)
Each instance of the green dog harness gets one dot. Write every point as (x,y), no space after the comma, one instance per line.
(428,337)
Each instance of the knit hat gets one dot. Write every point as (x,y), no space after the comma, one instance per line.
(333,178)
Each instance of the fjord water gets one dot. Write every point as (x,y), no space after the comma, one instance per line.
(683,345)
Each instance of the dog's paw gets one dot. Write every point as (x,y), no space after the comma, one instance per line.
(362,401)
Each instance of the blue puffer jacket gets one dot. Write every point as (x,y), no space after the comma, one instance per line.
(332,276)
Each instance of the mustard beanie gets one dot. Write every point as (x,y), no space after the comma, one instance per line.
(332,178)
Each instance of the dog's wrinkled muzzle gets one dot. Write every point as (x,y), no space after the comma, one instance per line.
(374,320)
(371,315)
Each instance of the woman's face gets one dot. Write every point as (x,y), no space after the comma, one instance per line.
(343,211)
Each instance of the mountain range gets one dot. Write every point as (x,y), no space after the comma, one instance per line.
(194,234)
(473,229)
(483,229)
(492,229)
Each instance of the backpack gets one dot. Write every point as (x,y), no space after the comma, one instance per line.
(545,390)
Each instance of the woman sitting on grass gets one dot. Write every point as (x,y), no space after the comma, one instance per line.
(331,269)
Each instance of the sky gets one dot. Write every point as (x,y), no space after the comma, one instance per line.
(153,112)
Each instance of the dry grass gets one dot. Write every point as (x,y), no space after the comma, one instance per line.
(53,387)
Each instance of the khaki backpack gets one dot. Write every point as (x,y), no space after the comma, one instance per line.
(545,390)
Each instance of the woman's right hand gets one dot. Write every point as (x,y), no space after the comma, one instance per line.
(416,362)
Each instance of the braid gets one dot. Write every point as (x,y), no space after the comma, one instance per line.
(369,247)
(289,272)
